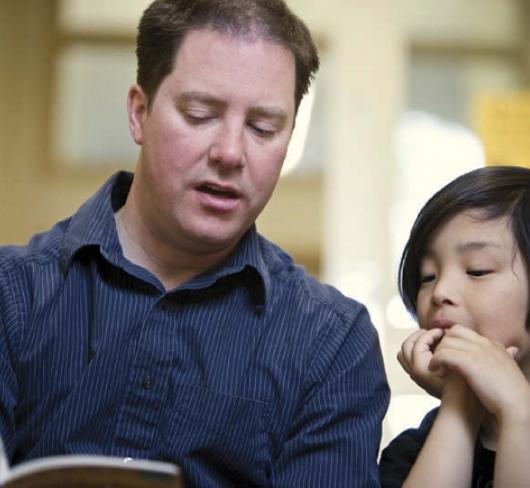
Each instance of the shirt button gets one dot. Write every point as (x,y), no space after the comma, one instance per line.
(147,382)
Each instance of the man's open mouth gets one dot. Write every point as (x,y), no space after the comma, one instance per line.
(217,191)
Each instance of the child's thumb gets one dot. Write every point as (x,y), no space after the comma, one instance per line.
(512,351)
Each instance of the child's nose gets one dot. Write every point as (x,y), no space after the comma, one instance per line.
(444,292)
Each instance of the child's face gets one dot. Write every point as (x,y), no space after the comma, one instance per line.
(474,275)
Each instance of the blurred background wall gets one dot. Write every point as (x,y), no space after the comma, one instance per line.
(410,94)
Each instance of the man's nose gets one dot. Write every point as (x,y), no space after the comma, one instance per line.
(227,147)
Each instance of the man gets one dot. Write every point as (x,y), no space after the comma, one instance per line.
(156,322)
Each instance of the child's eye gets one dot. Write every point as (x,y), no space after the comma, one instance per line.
(478,272)
(426,278)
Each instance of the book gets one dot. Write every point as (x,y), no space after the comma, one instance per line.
(88,471)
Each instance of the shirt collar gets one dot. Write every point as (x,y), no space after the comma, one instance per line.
(247,265)
(248,260)
(94,225)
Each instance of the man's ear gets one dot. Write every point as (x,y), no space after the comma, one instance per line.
(137,110)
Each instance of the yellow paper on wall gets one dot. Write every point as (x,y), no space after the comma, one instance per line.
(503,124)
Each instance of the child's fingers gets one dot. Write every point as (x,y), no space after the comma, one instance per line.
(404,355)
(453,351)
(414,356)
(467,342)
(462,332)
(491,373)
(424,346)
(473,357)
(463,339)
(455,344)
(440,370)
(463,344)
(487,366)
(409,342)
(403,362)
(416,346)
(430,338)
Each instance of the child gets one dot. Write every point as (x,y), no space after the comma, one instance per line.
(464,275)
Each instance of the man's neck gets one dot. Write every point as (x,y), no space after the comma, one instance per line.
(168,262)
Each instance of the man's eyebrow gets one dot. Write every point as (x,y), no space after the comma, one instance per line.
(201,97)
(272,113)
(475,246)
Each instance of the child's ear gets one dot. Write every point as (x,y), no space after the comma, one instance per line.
(137,110)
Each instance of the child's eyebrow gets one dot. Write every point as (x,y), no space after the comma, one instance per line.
(475,246)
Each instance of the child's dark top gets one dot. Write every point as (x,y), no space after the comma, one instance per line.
(400,455)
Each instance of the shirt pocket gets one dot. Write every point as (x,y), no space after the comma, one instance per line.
(223,432)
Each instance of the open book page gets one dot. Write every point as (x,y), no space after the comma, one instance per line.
(86,471)
(4,463)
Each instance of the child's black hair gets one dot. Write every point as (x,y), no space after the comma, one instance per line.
(499,191)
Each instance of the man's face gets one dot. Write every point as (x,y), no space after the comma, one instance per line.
(214,139)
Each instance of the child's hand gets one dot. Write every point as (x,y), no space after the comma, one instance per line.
(488,368)
(415,356)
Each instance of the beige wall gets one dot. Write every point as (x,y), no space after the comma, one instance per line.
(32,193)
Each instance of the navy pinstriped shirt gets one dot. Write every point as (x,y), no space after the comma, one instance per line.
(251,374)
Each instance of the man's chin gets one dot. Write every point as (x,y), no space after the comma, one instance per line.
(214,243)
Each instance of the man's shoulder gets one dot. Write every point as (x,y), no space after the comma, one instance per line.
(42,248)
(303,288)
(70,234)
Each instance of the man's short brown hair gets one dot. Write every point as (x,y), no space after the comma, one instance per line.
(165,23)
